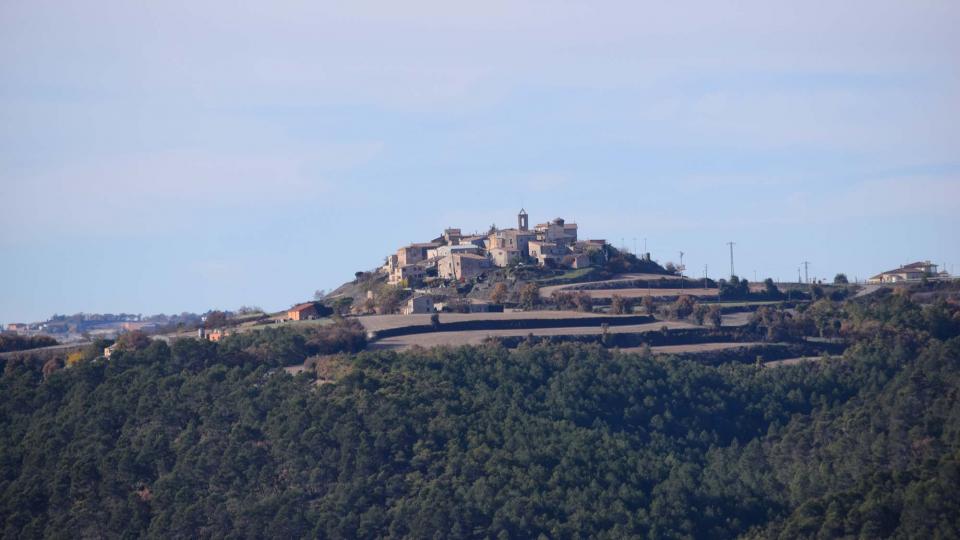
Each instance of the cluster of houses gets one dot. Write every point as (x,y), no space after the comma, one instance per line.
(909,272)
(77,327)
(458,257)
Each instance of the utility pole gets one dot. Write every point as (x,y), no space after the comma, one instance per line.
(799,279)
(681,270)
(806,272)
(704,276)
(731,259)
(634,245)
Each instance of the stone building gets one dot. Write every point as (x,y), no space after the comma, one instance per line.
(462,267)
(502,257)
(557,231)
(547,252)
(418,304)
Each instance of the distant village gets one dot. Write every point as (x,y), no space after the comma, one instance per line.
(86,326)
(459,257)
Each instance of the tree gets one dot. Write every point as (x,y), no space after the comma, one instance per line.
(840,279)
(583,301)
(735,288)
(715,317)
(700,313)
(389,299)
(649,305)
(530,295)
(499,293)
(51,366)
(342,305)
(771,290)
(74,358)
(620,305)
(215,319)
(319,294)
(817,293)
(133,341)
(683,307)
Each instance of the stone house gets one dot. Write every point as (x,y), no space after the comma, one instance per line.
(557,231)
(443,251)
(462,267)
(578,260)
(502,257)
(476,240)
(452,236)
(546,252)
(414,253)
(418,304)
(409,273)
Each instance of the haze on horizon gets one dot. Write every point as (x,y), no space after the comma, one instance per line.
(189,156)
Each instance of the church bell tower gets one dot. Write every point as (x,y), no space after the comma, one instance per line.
(522,223)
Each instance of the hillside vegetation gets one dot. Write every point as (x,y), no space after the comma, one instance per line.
(202,439)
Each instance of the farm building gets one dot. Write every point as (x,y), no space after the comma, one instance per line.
(302,312)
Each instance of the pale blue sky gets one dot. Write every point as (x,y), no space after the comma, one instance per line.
(194,155)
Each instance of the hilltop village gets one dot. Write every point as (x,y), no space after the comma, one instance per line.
(459,257)
(479,271)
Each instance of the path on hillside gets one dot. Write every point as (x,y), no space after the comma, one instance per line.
(867,290)
(51,348)
(796,361)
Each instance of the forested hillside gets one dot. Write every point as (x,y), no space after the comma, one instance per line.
(201,439)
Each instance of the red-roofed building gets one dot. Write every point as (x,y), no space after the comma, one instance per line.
(302,312)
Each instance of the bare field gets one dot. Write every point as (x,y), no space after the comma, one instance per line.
(381,322)
(475,337)
(736,319)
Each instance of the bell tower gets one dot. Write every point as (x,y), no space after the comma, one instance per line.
(522,222)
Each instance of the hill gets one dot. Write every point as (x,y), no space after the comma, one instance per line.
(213,439)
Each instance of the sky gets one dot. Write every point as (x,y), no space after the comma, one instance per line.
(160,157)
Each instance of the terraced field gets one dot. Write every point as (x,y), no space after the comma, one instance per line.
(377,323)
(620,286)
(475,337)
(641,292)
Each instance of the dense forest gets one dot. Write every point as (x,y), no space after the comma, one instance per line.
(199,439)
(14,342)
